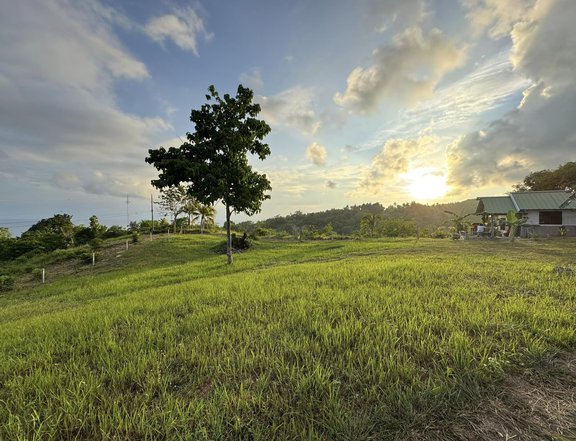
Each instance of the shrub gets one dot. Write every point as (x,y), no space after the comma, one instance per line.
(6,283)
(135,236)
(86,257)
(242,243)
(37,273)
(96,244)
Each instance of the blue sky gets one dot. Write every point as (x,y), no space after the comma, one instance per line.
(369,101)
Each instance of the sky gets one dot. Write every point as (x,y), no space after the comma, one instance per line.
(369,100)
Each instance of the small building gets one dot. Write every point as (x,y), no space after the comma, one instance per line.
(547,213)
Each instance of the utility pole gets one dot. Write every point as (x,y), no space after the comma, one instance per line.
(152,213)
(127,212)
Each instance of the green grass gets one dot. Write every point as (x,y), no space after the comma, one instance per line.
(313,340)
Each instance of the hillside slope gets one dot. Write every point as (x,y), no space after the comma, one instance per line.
(347,220)
(397,339)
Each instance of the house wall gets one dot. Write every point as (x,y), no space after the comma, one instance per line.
(568,217)
(533,227)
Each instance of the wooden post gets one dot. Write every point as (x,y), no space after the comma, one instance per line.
(492,225)
(126,243)
(43,275)
(93,258)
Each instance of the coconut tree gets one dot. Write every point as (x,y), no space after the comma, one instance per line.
(190,208)
(206,214)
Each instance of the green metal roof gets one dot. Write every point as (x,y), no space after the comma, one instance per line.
(540,200)
(495,205)
(528,200)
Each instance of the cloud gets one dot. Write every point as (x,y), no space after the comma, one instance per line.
(398,13)
(184,27)
(497,17)
(396,157)
(291,108)
(331,184)
(406,71)
(316,153)
(58,107)
(540,133)
(252,79)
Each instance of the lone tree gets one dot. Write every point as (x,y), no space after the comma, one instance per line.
(214,160)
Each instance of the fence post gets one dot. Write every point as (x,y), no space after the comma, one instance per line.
(126,243)
(43,275)
(93,258)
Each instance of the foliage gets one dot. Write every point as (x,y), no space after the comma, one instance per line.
(561,178)
(173,200)
(514,222)
(214,162)
(348,219)
(114,231)
(6,283)
(206,213)
(51,233)
(376,226)
(458,221)
(379,339)
(4,233)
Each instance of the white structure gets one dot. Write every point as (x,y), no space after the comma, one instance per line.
(547,213)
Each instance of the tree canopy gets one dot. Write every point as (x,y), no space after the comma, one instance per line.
(561,178)
(214,160)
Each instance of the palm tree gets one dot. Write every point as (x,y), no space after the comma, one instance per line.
(191,209)
(206,214)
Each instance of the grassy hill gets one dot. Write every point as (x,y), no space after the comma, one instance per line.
(395,339)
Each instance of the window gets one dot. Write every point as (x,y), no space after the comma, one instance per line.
(550,218)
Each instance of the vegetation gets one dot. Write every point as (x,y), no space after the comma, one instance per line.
(392,339)
(424,220)
(55,233)
(562,178)
(214,161)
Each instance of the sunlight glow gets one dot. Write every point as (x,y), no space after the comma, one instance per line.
(426,183)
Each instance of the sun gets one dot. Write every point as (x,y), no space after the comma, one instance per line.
(426,183)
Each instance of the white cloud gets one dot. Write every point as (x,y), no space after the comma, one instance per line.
(398,13)
(252,79)
(58,112)
(291,108)
(540,133)
(183,27)
(496,16)
(316,153)
(407,71)
(396,157)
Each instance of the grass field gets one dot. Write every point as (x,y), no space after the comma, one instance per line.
(328,340)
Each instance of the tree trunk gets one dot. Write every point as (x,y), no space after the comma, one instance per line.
(202,225)
(228,236)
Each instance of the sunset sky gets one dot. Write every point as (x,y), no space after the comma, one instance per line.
(369,101)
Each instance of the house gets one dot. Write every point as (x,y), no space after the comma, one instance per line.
(547,213)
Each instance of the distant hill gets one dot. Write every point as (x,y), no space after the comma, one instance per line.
(347,220)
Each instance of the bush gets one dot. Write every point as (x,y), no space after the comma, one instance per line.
(135,236)
(96,244)
(86,257)
(440,233)
(114,231)
(37,273)
(6,283)
(242,243)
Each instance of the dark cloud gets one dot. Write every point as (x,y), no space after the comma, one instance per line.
(541,132)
